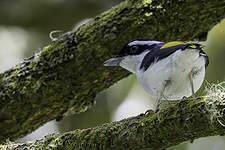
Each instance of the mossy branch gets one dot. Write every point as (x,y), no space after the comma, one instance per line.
(67,74)
(182,121)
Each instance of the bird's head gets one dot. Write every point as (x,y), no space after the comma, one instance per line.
(132,54)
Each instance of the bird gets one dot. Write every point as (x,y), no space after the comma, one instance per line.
(165,70)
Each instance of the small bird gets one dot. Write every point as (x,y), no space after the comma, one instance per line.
(166,70)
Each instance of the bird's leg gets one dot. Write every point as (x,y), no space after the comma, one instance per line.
(158,100)
(190,76)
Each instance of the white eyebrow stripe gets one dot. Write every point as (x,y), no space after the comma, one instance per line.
(144,43)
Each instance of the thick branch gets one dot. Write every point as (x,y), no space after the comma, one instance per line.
(68,73)
(186,120)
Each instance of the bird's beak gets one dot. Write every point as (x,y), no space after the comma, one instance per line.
(113,61)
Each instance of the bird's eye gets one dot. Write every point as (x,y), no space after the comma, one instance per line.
(134,49)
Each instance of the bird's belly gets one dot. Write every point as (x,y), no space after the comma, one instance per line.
(169,81)
(166,85)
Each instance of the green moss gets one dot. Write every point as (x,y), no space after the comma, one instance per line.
(175,125)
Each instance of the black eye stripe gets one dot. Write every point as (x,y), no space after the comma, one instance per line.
(131,50)
(136,49)
(138,46)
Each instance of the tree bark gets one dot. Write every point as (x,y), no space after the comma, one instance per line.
(65,76)
(177,123)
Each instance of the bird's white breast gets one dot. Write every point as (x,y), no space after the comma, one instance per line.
(174,71)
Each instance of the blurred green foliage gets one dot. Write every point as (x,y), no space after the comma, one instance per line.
(216,51)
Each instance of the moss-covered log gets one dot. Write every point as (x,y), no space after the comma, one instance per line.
(186,120)
(68,73)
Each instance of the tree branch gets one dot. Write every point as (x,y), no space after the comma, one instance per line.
(179,122)
(67,74)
